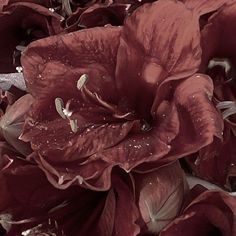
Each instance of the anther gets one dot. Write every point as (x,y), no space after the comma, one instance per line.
(82,81)
(59,104)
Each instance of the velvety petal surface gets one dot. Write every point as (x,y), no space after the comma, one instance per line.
(20,29)
(205,213)
(158,40)
(200,122)
(213,45)
(30,205)
(160,195)
(11,123)
(206,6)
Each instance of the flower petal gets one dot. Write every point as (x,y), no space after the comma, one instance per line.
(157,40)
(208,213)
(205,6)
(200,122)
(160,194)
(221,23)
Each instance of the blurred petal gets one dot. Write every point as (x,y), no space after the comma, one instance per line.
(207,213)
(160,194)
(221,23)
(11,123)
(205,6)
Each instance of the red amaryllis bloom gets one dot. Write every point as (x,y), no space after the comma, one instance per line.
(205,213)
(21,22)
(216,162)
(30,205)
(113,96)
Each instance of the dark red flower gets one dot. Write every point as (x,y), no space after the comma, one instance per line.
(216,161)
(30,205)
(22,22)
(205,213)
(121,96)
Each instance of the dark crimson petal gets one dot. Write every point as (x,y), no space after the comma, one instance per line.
(54,64)
(92,174)
(19,28)
(29,204)
(221,23)
(126,210)
(207,213)
(51,142)
(200,122)
(146,146)
(11,123)
(96,15)
(205,6)
(215,162)
(158,40)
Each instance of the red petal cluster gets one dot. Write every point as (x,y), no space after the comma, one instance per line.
(115,106)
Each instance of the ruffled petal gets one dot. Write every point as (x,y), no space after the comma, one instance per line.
(205,6)
(207,213)
(200,122)
(157,40)
(213,45)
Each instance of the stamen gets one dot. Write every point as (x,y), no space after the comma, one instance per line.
(223,62)
(225,105)
(146,126)
(20,48)
(19,69)
(73,125)
(82,81)
(66,112)
(59,104)
(229,112)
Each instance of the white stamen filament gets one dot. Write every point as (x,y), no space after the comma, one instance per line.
(229,112)
(225,105)
(224,62)
(73,125)
(229,106)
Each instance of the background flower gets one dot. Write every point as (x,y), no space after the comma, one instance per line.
(205,213)
(20,29)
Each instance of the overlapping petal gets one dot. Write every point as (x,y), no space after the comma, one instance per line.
(221,23)
(30,205)
(160,195)
(19,29)
(205,213)
(153,47)
(205,6)
(100,129)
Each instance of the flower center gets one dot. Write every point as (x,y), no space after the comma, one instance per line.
(66,113)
